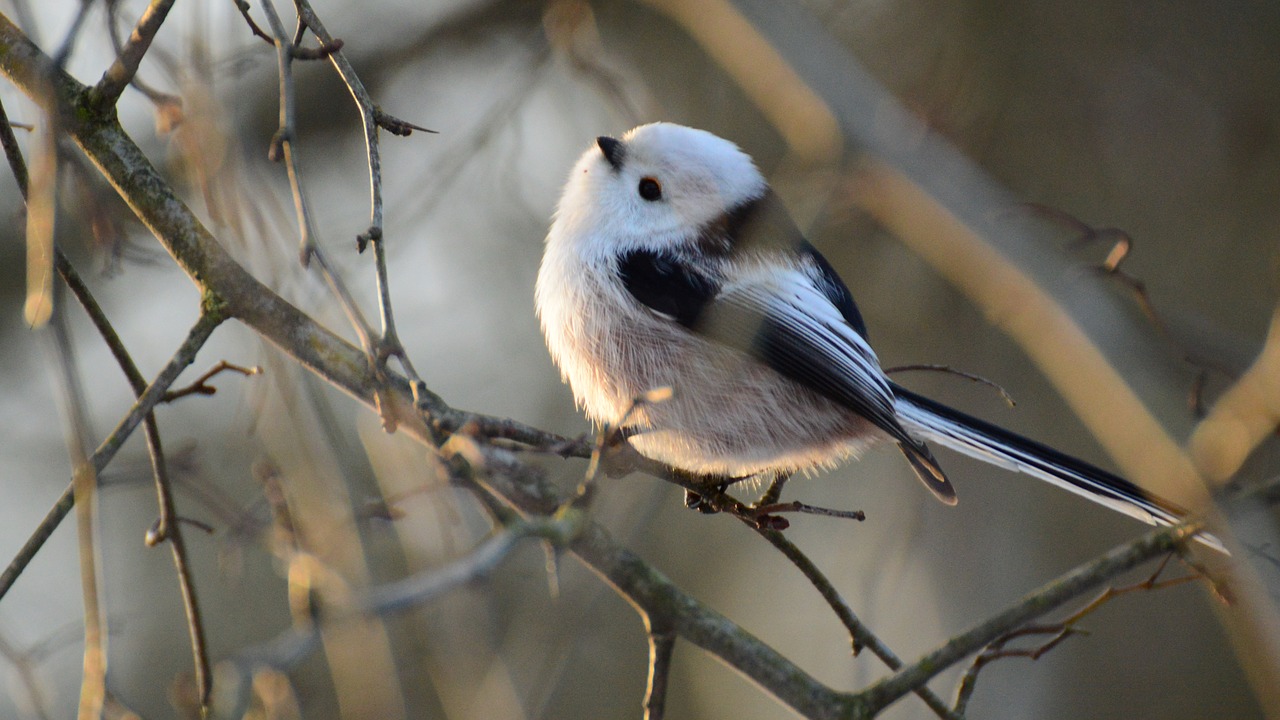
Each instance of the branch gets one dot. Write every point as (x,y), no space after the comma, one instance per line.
(168,526)
(235,293)
(1057,632)
(111,445)
(860,634)
(372,117)
(293,646)
(120,74)
(282,147)
(243,7)
(1078,581)
(662,643)
(201,386)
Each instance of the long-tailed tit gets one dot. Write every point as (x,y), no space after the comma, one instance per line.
(670,263)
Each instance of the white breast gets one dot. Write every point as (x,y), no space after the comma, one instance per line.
(728,414)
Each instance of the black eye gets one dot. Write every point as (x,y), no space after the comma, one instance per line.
(650,189)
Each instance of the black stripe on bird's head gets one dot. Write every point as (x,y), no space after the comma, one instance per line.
(613,150)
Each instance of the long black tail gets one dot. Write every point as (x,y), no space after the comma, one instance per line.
(963,433)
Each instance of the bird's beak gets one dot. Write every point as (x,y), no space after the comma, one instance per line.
(613,151)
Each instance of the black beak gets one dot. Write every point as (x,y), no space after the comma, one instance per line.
(613,151)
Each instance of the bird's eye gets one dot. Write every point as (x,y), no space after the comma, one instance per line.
(650,189)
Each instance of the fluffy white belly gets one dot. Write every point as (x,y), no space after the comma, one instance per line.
(727,414)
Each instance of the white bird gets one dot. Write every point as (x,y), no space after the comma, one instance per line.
(670,263)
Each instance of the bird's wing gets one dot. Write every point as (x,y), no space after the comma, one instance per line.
(784,316)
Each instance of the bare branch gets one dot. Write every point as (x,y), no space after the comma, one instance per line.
(1082,579)
(296,644)
(662,643)
(243,7)
(121,73)
(201,384)
(388,345)
(111,445)
(1057,632)
(234,293)
(859,633)
(12,153)
(282,146)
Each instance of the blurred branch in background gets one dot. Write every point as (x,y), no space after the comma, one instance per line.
(822,103)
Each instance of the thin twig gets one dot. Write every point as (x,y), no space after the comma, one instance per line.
(121,73)
(111,445)
(372,117)
(201,384)
(1058,632)
(520,485)
(167,527)
(295,645)
(796,506)
(24,664)
(13,153)
(959,373)
(243,7)
(1083,578)
(662,643)
(860,635)
(282,148)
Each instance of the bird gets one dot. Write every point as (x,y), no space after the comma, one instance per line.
(671,264)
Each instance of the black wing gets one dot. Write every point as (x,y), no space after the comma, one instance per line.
(834,288)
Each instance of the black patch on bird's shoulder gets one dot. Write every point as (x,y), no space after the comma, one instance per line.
(666,284)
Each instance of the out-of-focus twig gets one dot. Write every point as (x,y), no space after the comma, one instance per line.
(42,205)
(93,682)
(520,485)
(25,665)
(293,646)
(170,106)
(168,526)
(1245,415)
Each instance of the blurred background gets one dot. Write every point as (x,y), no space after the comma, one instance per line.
(1162,120)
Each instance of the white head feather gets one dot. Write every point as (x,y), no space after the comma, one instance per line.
(701,176)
